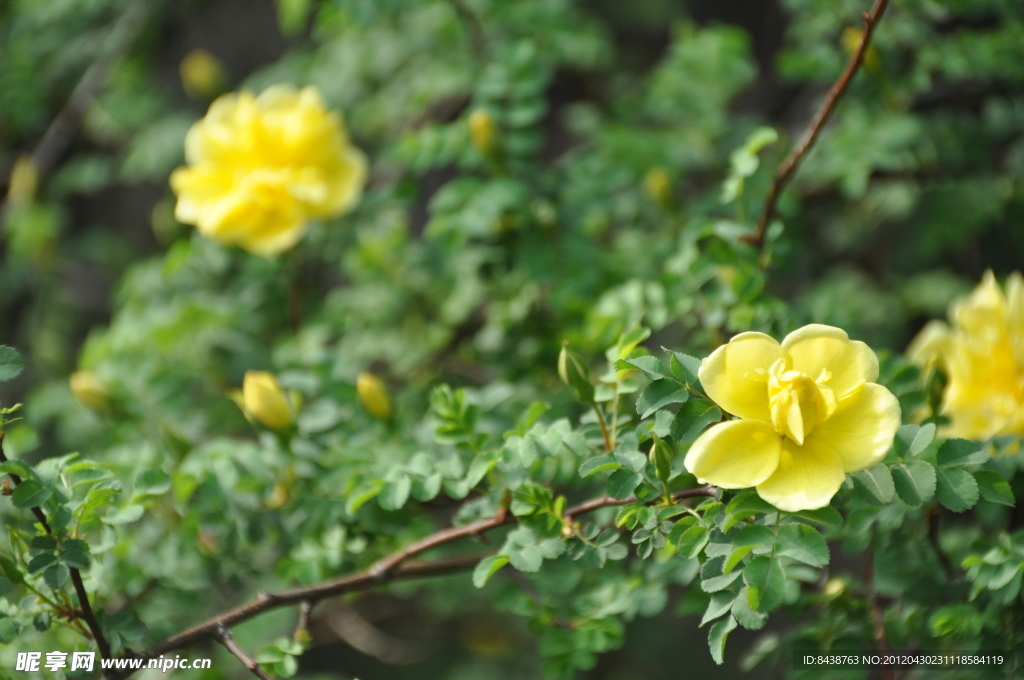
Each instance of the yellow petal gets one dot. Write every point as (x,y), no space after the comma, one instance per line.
(862,428)
(735,455)
(730,379)
(806,479)
(931,345)
(265,401)
(816,348)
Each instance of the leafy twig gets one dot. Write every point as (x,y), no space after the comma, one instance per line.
(76,575)
(789,165)
(223,636)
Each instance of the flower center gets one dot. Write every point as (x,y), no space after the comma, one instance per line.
(797,401)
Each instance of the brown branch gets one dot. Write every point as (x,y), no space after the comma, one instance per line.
(223,636)
(301,633)
(76,576)
(789,166)
(394,567)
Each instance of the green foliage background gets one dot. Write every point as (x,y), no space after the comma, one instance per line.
(468,269)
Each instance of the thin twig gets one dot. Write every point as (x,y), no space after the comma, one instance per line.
(223,636)
(301,634)
(877,619)
(394,567)
(792,161)
(76,576)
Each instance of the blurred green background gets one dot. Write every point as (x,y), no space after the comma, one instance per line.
(446,271)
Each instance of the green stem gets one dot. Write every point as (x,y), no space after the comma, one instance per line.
(615,412)
(608,445)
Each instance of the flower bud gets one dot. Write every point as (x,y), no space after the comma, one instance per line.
(834,587)
(24,182)
(661,456)
(90,390)
(202,75)
(482,131)
(575,374)
(374,396)
(264,400)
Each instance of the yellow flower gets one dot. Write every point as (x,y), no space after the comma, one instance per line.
(264,400)
(982,354)
(260,168)
(202,75)
(658,185)
(90,390)
(24,182)
(809,412)
(482,131)
(374,395)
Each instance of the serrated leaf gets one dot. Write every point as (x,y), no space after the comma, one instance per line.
(711,577)
(955,489)
(427,488)
(17,467)
(690,541)
(487,568)
(10,363)
(686,368)
(40,562)
(959,452)
(752,534)
(746,616)
(735,557)
(56,576)
(527,559)
(719,604)
(651,366)
(915,482)
(74,558)
(480,466)
(826,516)
(394,494)
(30,494)
(623,483)
(718,636)
(911,440)
(361,495)
(743,506)
(994,487)
(875,485)
(766,582)
(10,571)
(658,395)
(802,543)
(598,464)
(692,418)
(152,482)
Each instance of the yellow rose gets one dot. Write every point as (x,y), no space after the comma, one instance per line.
(260,168)
(90,390)
(264,400)
(809,412)
(982,354)
(202,75)
(374,395)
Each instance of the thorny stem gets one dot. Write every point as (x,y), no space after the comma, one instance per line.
(76,576)
(789,166)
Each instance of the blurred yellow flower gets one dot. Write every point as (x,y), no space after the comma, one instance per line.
(852,38)
(809,412)
(90,390)
(260,168)
(202,75)
(24,181)
(658,185)
(374,395)
(982,354)
(482,131)
(263,399)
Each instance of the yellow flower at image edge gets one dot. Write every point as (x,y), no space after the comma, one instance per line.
(808,413)
(982,354)
(260,168)
(263,399)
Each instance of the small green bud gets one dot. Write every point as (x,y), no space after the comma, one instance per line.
(575,373)
(661,456)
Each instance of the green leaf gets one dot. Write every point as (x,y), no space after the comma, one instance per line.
(766,581)
(623,483)
(690,540)
(994,487)
(827,516)
(746,616)
(30,494)
(56,576)
(803,543)
(426,488)
(10,363)
(527,559)
(744,505)
(10,571)
(40,562)
(361,495)
(575,373)
(152,482)
(735,557)
(915,482)
(692,418)
(754,535)
(875,485)
(717,637)
(651,366)
(719,604)
(394,494)
(487,568)
(480,466)
(959,452)
(956,489)
(686,368)
(17,467)
(598,464)
(74,557)
(712,578)
(658,395)
(125,515)
(911,440)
